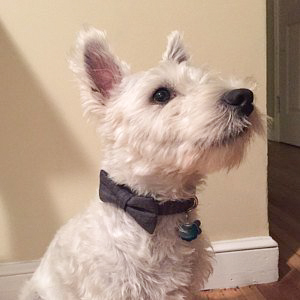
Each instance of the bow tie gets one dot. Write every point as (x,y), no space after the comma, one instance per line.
(143,209)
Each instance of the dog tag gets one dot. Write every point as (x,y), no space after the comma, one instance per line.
(189,231)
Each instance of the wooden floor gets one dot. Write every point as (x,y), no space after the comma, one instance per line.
(284,219)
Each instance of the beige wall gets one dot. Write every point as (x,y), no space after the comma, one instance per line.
(49,155)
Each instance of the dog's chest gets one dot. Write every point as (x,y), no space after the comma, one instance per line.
(161,261)
(154,263)
(115,255)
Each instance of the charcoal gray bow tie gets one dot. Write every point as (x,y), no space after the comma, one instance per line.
(143,209)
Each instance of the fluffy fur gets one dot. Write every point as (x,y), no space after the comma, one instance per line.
(161,150)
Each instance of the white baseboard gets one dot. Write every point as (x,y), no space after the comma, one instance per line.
(12,277)
(244,262)
(237,263)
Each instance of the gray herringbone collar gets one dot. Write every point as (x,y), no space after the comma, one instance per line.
(143,209)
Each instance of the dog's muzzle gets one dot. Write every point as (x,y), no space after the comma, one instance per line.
(240,99)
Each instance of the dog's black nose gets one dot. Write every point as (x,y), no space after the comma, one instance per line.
(241,98)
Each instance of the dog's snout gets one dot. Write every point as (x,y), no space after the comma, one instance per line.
(238,97)
(241,98)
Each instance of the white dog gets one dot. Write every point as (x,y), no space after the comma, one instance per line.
(163,130)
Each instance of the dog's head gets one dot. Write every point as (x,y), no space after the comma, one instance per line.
(173,118)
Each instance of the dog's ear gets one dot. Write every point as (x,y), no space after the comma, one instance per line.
(97,69)
(175,49)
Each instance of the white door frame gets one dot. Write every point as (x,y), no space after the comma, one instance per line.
(274,133)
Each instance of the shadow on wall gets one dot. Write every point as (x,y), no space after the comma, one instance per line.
(35,147)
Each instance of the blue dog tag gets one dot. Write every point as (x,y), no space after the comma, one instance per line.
(189,231)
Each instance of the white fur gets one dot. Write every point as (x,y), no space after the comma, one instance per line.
(162,150)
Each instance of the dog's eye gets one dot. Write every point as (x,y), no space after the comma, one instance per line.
(162,95)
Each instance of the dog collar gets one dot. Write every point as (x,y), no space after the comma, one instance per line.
(145,209)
